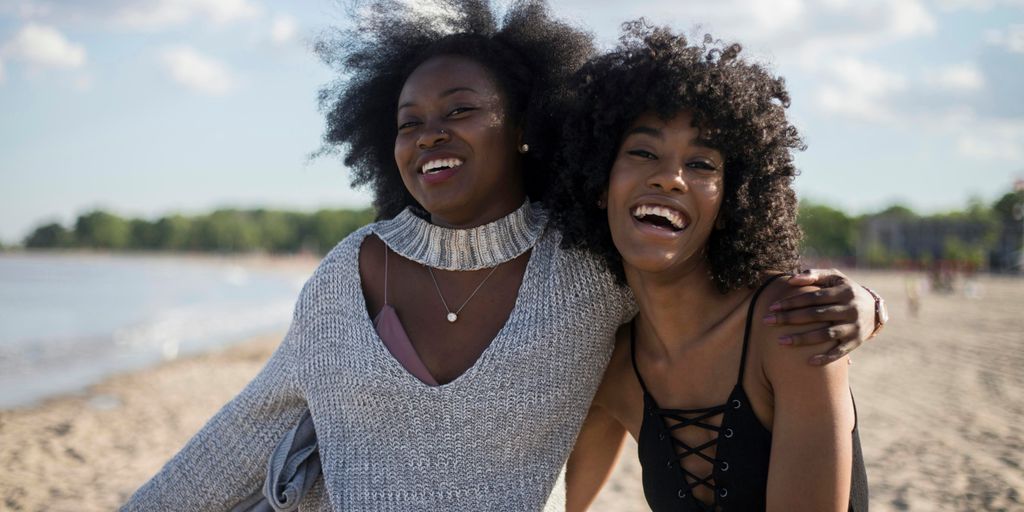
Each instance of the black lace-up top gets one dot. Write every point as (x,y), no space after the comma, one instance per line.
(739,480)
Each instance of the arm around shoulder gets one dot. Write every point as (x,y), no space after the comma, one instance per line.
(812,425)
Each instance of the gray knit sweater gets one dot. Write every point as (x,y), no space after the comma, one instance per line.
(496,438)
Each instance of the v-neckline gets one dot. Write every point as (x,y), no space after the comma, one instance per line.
(495,344)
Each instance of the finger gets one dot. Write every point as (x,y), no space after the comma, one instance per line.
(818,277)
(838,352)
(841,313)
(839,333)
(823,297)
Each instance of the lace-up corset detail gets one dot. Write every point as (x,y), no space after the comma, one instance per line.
(697,418)
(736,453)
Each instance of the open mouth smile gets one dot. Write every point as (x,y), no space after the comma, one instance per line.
(439,165)
(660,217)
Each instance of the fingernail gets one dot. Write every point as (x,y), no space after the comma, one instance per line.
(785,340)
(770,319)
(775,307)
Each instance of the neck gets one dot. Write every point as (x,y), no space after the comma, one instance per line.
(490,212)
(676,311)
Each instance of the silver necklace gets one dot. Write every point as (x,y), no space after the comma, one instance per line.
(454,315)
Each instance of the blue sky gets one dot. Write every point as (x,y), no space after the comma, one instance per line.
(147,107)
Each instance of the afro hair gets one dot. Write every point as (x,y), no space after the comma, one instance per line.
(744,107)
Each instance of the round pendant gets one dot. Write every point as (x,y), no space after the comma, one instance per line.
(452,317)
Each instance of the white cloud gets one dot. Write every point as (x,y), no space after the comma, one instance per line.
(44,46)
(994,140)
(977,5)
(909,18)
(196,71)
(957,78)
(859,89)
(777,15)
(283,29)
(154,14)
(26,9)
(1011,39)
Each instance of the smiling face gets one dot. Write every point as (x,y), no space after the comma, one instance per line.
(456,146)
(664,193)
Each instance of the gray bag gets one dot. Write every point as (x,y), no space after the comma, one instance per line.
(292,469)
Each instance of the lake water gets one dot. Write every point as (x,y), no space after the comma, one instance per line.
(67,321)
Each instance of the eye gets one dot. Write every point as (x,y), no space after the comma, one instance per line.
(702,165)
(460,110)
(642,153)
(407,124)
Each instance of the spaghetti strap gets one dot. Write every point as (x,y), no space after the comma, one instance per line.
(750,319)
(632,355)
(385,274)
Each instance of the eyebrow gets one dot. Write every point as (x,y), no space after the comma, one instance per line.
(645,130)
(444,94)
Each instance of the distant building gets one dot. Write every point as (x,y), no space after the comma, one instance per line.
(898,237)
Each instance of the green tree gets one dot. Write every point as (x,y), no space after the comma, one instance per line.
(279,231)
(144,234)
(328,227)
(227,231)
(49,236)
(173,233)
(827,232)
(102,230)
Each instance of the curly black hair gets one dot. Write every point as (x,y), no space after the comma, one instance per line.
(743,104)
(530,55)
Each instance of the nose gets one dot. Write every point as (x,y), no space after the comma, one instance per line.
(433,137)
(669,178)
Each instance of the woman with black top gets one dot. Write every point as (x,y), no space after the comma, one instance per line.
(698,216)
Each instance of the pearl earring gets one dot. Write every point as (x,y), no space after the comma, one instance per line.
(524,148)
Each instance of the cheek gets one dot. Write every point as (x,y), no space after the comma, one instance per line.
(618,185)
(710,191)
(402,151)
(496,121)
(711,194)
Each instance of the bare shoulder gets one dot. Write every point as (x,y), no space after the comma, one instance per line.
(787,362)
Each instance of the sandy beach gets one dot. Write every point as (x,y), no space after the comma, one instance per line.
(939,398)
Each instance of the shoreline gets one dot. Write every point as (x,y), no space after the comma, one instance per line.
(290,262)
(91,450)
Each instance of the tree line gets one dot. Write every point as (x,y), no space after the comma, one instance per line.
(983,235)
(228,230)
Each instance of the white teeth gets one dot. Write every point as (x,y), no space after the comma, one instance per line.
(440,163)
(673,216)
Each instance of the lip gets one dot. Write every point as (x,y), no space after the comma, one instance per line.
(431,156)
(656,200)
(439,176)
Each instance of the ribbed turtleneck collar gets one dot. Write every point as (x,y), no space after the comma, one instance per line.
(464,249)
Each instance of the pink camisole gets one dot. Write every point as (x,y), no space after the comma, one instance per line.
(396,340)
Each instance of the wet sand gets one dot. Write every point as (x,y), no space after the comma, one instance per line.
(939,398)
